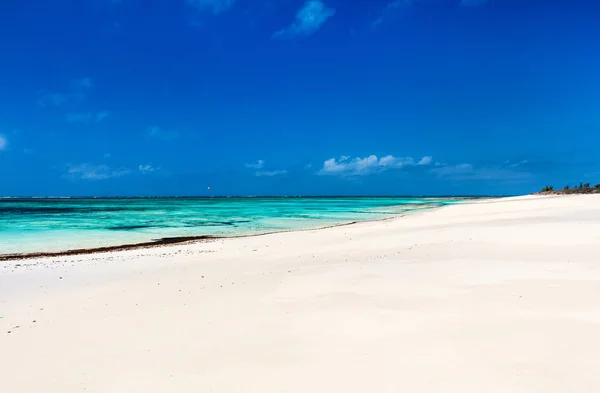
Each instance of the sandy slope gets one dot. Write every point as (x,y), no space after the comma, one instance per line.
(496,296)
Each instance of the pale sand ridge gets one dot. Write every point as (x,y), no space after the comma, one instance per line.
(491,296)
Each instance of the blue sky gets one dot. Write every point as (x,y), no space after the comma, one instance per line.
(292,97)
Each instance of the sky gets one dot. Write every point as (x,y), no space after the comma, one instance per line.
(296,97)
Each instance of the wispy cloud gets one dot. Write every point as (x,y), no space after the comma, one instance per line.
(276,172)
(82,83)
(78,117)
(156,132)
(257,165)
(309,19)
(260,164)
(53,99)
(3,143)
(515,164)
(94,172)
(75,96)
(216,6)
(467,171)
(390,9)
(453,170)
(102,115)
(85,117)
(145,169)
(346,166)
(470,3)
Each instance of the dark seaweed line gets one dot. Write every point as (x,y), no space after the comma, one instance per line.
(122,247)
(184,239)
(162,242)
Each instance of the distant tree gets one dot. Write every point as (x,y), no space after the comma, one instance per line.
(548,188)
(581,188)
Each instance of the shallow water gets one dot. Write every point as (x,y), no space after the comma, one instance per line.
(50,225)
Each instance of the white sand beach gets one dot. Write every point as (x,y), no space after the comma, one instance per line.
(492,296)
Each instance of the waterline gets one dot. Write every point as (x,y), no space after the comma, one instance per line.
(58,225)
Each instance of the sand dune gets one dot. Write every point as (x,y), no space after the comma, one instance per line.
(492,296)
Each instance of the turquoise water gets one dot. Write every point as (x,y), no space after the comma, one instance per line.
(50,225)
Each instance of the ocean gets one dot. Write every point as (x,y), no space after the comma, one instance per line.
(45,225)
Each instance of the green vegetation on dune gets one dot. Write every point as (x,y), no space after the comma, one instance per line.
(582,188)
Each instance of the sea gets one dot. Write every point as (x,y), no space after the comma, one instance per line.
(50,225)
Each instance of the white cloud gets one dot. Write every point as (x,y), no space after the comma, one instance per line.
(82,83)
(3,143)
(260,164)
(276,172)
(217,6)
(147,169)
(469,3)
(425,160)
(364,166)
(511,164)
(308,20)
(94,172)
(257,165)
(156,132)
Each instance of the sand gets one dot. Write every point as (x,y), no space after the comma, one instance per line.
(493,296)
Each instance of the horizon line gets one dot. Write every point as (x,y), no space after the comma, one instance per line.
(253,196)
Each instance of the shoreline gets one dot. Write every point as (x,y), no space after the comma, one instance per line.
(498,293)
(185,240)
(140,240)
(179,240)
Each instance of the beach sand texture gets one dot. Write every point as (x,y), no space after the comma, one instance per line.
(491,296)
